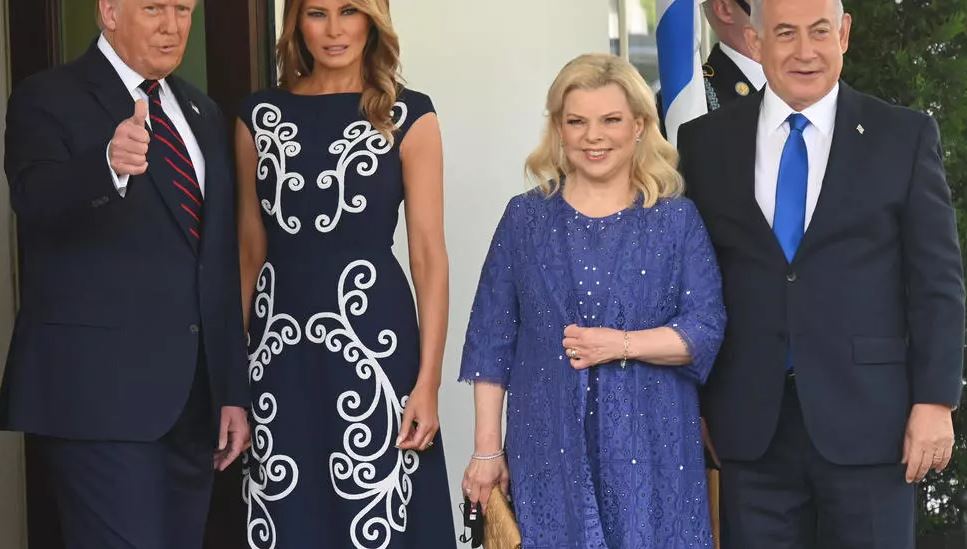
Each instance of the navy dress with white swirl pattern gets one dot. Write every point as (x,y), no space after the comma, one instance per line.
(334,343)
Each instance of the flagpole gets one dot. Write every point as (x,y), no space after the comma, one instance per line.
(706,46)
(624,40)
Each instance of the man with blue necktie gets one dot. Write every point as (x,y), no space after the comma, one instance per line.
(833,225)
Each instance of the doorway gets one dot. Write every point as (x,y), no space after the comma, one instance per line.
(13,530)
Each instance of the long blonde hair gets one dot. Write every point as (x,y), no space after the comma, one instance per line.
(654,166)
(381,60)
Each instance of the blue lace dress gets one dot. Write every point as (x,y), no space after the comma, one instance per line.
(334,345)
(607,457)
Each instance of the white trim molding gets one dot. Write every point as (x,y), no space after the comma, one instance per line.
(13,516)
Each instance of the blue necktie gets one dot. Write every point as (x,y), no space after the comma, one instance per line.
(790,217)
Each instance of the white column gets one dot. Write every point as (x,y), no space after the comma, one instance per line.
(13,522)
(487,66)
(624,39)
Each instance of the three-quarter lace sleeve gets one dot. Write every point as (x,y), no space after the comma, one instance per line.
(701,313)
(492,332)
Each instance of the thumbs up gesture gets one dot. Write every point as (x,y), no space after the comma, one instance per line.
(128,151)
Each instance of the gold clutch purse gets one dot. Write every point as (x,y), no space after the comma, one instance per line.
(713,506)
(500,526)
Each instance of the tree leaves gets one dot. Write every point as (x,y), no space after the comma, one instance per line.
(914,53)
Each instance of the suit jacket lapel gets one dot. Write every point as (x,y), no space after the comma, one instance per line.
(202,124)
(106,85)
(197,119)
(845,158)
(729,73)
(742,153)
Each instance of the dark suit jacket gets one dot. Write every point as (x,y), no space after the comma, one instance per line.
(117,305)
(871,310)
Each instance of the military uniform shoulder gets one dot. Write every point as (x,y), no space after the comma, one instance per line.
(726,79)
(722,116)
(734,84)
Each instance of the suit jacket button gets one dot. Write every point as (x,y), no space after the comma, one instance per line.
(791,277)
(194,329)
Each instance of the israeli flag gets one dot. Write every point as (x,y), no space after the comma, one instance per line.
(679,63)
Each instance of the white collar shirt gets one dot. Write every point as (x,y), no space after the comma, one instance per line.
(752,70)
(771,137)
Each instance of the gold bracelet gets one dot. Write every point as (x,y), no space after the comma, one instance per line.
(624,359)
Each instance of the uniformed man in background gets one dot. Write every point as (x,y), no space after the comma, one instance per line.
(730,72)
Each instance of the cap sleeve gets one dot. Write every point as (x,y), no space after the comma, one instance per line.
(416,105)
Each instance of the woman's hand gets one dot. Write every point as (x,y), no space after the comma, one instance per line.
(420,419)
(480,478)
(587,347)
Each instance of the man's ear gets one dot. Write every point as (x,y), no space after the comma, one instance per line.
(723,10)
(754,42)
(107,14)
(844,28)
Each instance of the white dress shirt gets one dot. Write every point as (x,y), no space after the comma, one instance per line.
(752,70)
(771,138)
(132,81)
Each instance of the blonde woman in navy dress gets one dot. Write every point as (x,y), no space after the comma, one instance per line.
(344,369)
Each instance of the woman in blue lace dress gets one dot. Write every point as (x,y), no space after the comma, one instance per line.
(599,313)
(344,368)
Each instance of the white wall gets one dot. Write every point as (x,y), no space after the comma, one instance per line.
(487,65)
(13,533)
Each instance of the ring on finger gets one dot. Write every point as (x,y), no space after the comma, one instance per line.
(571,353)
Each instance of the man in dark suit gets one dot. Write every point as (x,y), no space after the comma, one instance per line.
(127,363)
(836,237)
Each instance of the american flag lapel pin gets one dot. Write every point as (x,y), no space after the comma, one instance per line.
(859,128)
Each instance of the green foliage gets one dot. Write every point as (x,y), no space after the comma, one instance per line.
(914,53)
(651,12)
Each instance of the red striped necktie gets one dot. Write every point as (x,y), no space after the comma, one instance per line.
(177,166)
